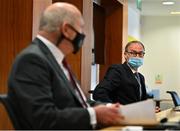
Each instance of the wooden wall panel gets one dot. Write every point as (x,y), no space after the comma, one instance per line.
(86,55)
(99,19)
(22,28)
(115,33)
(16,30)
(125,26)
(6,38)
(113,43)
(38,7)
(16,33)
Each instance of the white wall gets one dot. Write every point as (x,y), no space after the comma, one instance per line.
(161,37)
(133,22)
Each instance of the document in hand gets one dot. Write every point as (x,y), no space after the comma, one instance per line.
(140,113)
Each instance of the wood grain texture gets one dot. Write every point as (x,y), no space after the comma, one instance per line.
(38,7)
(16,33)
(113,41)
(115,33)
(86,55)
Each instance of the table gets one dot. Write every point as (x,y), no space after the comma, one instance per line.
(169,115)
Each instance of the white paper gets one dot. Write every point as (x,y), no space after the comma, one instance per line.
(132,128)
(140,113)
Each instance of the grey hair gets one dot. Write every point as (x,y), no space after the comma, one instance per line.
(132,42)
(51,19)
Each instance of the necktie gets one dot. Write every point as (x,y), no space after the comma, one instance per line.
(73,82)
(139,82)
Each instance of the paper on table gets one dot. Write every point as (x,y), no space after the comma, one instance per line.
(140,113)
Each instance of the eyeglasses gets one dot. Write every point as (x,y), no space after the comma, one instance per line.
(134,53)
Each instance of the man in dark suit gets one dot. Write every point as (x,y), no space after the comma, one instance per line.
(42,90)
(122,82)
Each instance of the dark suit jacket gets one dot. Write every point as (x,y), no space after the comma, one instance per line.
(41,94)
(119,85)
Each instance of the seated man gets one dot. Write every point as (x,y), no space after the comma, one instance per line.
(42,89)
(122,82)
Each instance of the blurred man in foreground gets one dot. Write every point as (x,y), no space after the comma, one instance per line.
(43,90)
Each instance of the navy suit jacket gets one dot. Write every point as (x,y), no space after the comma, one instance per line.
(41,94)
(120,85)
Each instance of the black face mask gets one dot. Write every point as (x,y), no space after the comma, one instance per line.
(77,41)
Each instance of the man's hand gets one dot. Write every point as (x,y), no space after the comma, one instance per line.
(108,115)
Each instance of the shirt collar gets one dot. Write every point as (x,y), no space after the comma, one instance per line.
(57,53)
(134,71)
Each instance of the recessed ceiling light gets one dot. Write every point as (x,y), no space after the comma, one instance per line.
(175,13)
(167,2)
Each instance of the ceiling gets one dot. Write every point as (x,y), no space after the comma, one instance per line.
(155,7)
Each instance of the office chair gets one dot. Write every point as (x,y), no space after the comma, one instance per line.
(175,98)
(12,115)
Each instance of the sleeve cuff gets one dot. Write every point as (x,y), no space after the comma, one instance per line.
(92,115)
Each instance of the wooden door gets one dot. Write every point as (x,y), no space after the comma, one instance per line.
(108,44)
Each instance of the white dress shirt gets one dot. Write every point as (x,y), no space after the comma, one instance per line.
(59,56)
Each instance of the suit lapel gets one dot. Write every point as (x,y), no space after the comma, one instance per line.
(54,64)
(132,77)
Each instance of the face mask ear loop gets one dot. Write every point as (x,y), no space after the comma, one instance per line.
(60,38)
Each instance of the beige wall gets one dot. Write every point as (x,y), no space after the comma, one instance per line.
(161,36)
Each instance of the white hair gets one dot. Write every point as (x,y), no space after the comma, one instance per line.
(52,18)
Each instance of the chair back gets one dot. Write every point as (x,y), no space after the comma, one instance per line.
(175,98)
(12,115)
